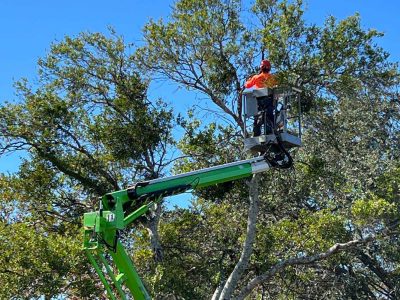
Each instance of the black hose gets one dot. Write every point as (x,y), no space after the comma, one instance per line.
(281,159)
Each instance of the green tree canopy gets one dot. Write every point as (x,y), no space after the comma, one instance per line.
(87,128)
(331,202)
(327,229)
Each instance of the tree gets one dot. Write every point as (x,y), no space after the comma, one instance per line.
(87,128)
(328,230)
(351,113)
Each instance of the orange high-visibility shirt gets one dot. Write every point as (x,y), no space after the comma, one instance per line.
(262,80)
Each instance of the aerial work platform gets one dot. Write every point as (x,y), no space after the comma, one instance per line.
(285,126)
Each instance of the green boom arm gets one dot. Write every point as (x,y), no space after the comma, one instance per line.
(121,208)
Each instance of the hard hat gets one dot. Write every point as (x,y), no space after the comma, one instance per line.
(265,64)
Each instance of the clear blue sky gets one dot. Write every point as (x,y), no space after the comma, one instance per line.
(27,28)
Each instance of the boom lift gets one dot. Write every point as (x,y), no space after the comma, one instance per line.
(118,210)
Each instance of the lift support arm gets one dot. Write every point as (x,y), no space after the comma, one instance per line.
(119,209)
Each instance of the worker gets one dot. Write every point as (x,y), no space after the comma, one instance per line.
(265,104)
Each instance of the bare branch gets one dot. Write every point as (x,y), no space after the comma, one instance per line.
(338,247)
(241,266)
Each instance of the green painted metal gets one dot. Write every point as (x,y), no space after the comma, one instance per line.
(112,276)
(137,213)
(196,180)
(121,208)
(101,275)
(127,273)
(131,277)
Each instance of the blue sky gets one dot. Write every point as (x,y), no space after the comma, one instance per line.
(27,28)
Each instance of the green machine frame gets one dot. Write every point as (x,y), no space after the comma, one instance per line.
(117,210)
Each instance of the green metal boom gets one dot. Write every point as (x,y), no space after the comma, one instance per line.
(119,209)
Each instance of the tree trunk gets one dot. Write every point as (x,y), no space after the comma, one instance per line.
(152,228)
(241,266)
(217,292)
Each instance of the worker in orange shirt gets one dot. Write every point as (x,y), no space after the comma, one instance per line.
(264,79)
(265,104)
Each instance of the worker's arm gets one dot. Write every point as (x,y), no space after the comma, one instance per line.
(250,82)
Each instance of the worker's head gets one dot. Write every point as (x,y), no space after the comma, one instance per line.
(265,66)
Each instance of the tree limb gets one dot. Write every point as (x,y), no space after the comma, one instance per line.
(241,266)
(338,247)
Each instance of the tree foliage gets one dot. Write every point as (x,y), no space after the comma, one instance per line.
(87,128)
(331,202)
(327,229)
